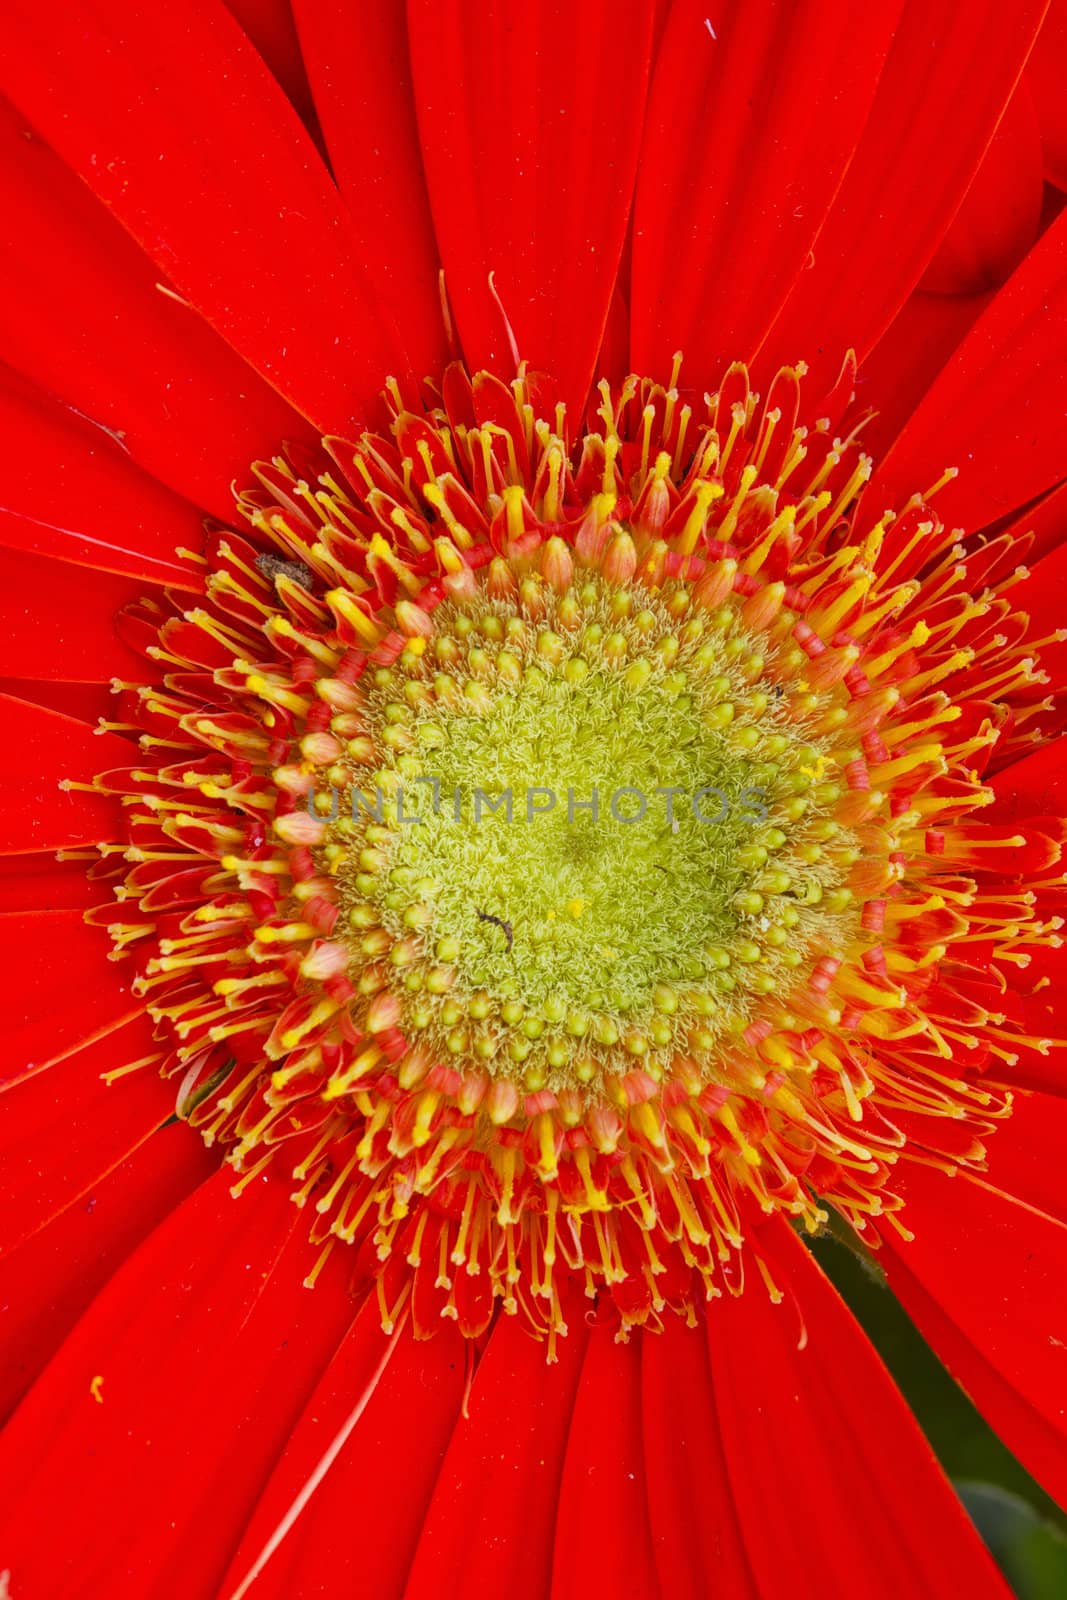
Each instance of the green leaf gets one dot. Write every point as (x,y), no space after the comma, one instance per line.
(1031,1553)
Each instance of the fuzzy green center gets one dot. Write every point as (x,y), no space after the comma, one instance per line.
(586,841)
(600,832)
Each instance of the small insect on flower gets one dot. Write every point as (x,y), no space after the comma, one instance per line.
(505,927)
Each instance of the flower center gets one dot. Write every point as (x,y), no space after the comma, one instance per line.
(583,825)
(552,855)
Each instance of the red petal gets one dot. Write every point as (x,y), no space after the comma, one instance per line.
(64,1129)
(171,117)
(395,1423)
(995,1271)
(270,26)
(837,1490)
(1046,520)
(947,79)
(1045,73)
(70,492)
(603,1534)
(907,359)
(29,882)
(530,121)
(1036,786)
(159,1418)
(996,411)
(59,621)
(490,1522)
(1026,1154)
(112,345)
(63,989)
(45,749)
(695,1533)
(47,1283)
(368,120)
(1037,1442)
(750,129)
(1001,211)
(89,703)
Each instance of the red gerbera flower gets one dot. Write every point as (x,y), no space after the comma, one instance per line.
(569,823)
